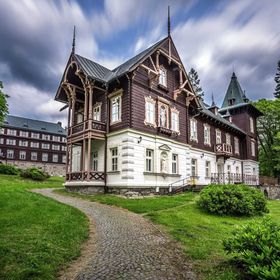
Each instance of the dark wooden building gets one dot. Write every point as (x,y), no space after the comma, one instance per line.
(27,142)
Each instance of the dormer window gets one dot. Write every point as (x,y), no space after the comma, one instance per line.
(162,76)
(231,101)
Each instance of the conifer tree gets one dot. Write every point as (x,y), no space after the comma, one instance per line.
(3,104)
(195,81)
(277,80)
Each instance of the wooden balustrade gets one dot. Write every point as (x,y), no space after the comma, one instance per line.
(234,178)
(84,126)
(223,149)
(82,176)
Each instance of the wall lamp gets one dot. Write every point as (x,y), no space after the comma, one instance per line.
(139,140)
(202,155)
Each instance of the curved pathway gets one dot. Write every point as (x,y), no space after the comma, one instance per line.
(126,246)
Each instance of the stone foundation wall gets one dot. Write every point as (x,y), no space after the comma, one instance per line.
(51,168)
(85,189)
(272,192)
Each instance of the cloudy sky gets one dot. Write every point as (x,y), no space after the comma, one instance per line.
(213,36)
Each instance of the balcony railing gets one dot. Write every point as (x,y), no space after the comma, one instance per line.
(82,176)
(164,130)
(223,149)
(234,178)
(85,125)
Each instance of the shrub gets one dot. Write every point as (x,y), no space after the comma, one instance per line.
(235,200)
(8,169)
(256,246)
(34,174)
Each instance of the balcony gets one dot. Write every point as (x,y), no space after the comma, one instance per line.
(223,149)
(85,126)
(234,178)
(164,130)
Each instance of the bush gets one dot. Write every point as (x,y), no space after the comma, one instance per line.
(8,169)
(235,200)
(256,247)
(34,174)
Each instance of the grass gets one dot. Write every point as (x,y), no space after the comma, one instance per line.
(38,235)
(201,234)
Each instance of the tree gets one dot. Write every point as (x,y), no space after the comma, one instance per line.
(195,81)
(268,128)
(3,104)
(277,80)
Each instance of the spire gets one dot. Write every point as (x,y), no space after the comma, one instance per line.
(168,22)
(213,101)
(74,40)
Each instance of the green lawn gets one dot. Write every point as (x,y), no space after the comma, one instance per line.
(201,234)
(38,236)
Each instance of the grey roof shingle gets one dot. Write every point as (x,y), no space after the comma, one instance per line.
(36,125)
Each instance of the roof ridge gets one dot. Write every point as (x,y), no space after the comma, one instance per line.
(92,61)
(32,119)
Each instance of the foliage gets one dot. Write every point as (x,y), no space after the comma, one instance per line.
(200,234)
(232,200)
(8,169)
(34,174)
(257,247)
(195,81)
(3,104)
(277,81)
(268,127)
(38,236)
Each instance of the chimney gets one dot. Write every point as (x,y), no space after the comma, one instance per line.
(59,123)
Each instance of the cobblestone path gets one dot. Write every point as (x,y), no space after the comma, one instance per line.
(127,246)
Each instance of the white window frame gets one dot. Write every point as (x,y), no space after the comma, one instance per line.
(97,112)
(63,158)
(174,163)
(2,130)
(35,135)
(55,147)
(56,138)
(193,129)
(207,169)
(12,132)
(46,137)
(95,161)
(10,153)
(34,156)
(218,136)
(34,145)
(175,126)
(236,145)
(253,148)
(150,111)
(114,159)
(23,143)
(207,134)
(55,158)
(11,142)
(1,140)
(228,139)
(149,162)
(22,155)
(23,133)
(194,167)
(116,113)
(162,80)
(252,130)
(45,157)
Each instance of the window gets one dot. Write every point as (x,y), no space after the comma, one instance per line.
(207,169)
(63,159)
(228,141)
(56,138)
(254,171)
(63,139)
(252,130)
(97,112)
(175,120)
(23,143)
(116,109)
(174,163)
(63,148)
(228,169)
(45,157)
(194,167)
(1,130)
(237,169)
(33,156)
(1,140)
(163,116)
(207,140)
(45,146)
(46,137)
(218,136)
(10,153)
(149,111)
(35,135)
(11,142)
(22,154)
(149,160)
(162,76)
(11,132)
(24,133)
(56,147)
(236,145)
(55,158)
(193,126)
(114,155)
(253,148)
(34,144)
(95,161)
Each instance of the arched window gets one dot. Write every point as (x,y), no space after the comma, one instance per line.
(163,116)
(162,76)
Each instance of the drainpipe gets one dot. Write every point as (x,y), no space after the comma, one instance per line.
(107,120)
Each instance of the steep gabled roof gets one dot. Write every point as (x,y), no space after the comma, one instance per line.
(36,125)
(234,94)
